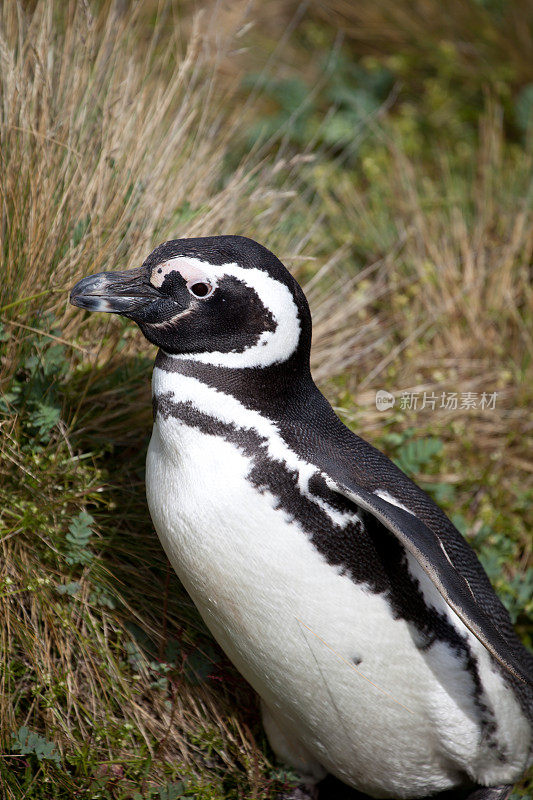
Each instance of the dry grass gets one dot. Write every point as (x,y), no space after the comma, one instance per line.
(104,155)
(102,152)
(108,148)
(452,251)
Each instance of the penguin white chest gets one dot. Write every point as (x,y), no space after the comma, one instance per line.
(315,645)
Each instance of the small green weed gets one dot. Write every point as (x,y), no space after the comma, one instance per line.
(496,551)
(78,540)
(418,455)
(71,588)
(34,392)
(27,742)
(332,112)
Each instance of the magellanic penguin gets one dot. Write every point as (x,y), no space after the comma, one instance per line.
(336,586)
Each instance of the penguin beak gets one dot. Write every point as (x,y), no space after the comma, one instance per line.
(115,292)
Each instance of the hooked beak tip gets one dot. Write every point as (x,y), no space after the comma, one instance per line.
(111,292)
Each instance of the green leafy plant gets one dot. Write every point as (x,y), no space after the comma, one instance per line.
(27,742)
(332,113)
(170,791)
(496,551)
(419,455)
(178,662)
(416,453)
(78,539)
(71,588)
(34,390)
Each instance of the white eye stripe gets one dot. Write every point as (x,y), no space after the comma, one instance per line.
(273,346)
(188,268)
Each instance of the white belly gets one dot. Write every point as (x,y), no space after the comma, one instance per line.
(295,627)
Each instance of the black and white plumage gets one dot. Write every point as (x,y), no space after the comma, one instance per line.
(337,587)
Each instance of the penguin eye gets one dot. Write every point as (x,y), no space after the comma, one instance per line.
(200,289)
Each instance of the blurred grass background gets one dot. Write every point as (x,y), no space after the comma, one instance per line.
(383,150)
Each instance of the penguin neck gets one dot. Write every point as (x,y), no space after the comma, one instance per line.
(271,390)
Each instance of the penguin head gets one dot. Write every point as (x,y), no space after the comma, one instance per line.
(222,300)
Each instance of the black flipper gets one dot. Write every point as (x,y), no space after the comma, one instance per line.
(430,552)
